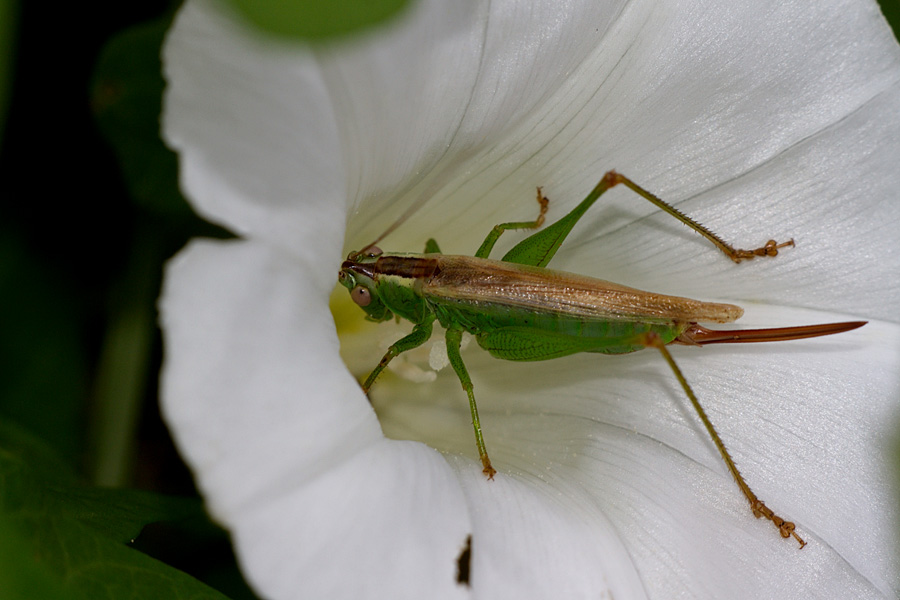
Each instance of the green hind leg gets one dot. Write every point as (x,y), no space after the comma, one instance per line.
(538,249)
(757,506)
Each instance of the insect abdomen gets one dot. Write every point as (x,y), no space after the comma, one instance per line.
(516,334)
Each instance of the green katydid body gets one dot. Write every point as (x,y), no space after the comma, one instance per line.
(519,310)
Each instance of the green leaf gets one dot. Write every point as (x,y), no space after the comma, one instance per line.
(43,381)
(317,19)
(126,98)
(891,11)
(70,540)
(21,577)
(120,514)
(9,21)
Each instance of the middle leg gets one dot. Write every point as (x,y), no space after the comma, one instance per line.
(454,338)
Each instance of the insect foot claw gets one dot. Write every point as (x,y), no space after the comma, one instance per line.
(785,528)
(489,471)
(770,249)
(544,203)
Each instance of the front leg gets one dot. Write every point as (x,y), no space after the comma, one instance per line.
(419,335)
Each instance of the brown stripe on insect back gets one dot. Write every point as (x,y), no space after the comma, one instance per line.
(469,279)
(407,266)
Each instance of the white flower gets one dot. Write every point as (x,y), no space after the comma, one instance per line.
(762,120)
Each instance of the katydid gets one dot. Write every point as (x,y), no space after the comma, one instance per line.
(519,310)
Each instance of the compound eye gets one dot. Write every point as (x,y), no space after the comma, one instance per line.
(372,251)
(361,295)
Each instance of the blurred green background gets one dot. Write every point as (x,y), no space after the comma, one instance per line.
(90,213)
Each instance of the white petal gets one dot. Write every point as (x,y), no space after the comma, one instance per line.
(257,138)
(532,541)
(809,424)
(776,107)
(285,446)
(817,168)
(833,193)
(803,421)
